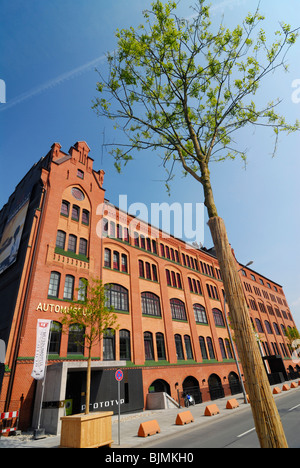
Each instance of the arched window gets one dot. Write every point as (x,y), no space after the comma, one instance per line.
(107,258)
(150,304)
(65,206)
(200,314)
(69,287)
(160,346)
(179,349)
(54,284)
(116,260)
(61,239)
(228,349)
(259,325)
(177,309)
(85,217)
(222,348)
(203,347)
(72,243)
(55,337)
(83,246)
(188,347)
(109,345)
(210,348)
(218,318)
(268,327)
(117,296)
(76,339)
(75,212)
(124,338)
(82,289)
(148,344)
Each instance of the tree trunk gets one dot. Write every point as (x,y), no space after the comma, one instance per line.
(267,421)
(88,384)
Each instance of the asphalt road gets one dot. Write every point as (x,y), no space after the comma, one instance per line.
(237,431)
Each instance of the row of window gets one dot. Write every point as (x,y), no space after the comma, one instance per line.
(116,231)
(77,214)
(76,344)
(262,308)
(268,327)
(68,292)
(72,244)
(112,260)
(267,296)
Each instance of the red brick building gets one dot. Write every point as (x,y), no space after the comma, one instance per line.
(172,335)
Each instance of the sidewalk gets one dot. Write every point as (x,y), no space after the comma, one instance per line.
(130,424)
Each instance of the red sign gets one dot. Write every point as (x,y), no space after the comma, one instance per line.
(119,375)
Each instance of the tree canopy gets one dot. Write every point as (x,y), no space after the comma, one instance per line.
(183,86)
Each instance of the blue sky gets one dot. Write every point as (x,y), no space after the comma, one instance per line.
(49,50)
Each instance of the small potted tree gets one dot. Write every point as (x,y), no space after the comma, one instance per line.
(94,317)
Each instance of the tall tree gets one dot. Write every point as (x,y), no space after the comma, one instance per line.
(93,317)
(178,85)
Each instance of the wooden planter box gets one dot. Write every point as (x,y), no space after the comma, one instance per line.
(86,430)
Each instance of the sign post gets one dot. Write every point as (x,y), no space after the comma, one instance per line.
(119,377)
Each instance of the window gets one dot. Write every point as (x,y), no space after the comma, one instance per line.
(276,328)
(82,289)
(228,349)
(200,314)
(124,337)
(160,346)
(222,348)
(117,296)
(141,269)
(54,284)
(83,247)
(75,213)
(69,287)
(124,263)
(85,217)
(107,258)
(55,338)
(150,304)
(119,232)
(80,174)
(179,349)
(212,291)
(177,309)
(76,339)
(210,348)
(61,239)
(268,327)
(116,260)
(65,206)
(259,325)
(104,227)
(148,270)
(188,347)
(154,273)
(218,318)
(203,347)
(148,344)
(109,345)
(72,243)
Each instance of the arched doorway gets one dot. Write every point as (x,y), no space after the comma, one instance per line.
(159,385)
(216,389)
(191,385)
(234,383)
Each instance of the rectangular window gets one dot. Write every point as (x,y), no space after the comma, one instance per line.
(83,247)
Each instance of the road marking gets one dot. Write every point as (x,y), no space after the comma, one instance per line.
(247,432)
(294,407)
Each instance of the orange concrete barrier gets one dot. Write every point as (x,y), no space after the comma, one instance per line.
(285,388)
(185,417)
(148,428)
(294,385)
(231,404)
(276,390)
(211,410)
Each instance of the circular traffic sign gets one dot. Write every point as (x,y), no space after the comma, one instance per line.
(119,375)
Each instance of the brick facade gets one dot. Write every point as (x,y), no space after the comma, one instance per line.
(169,273)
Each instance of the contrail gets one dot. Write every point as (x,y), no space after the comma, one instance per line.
(52,83)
